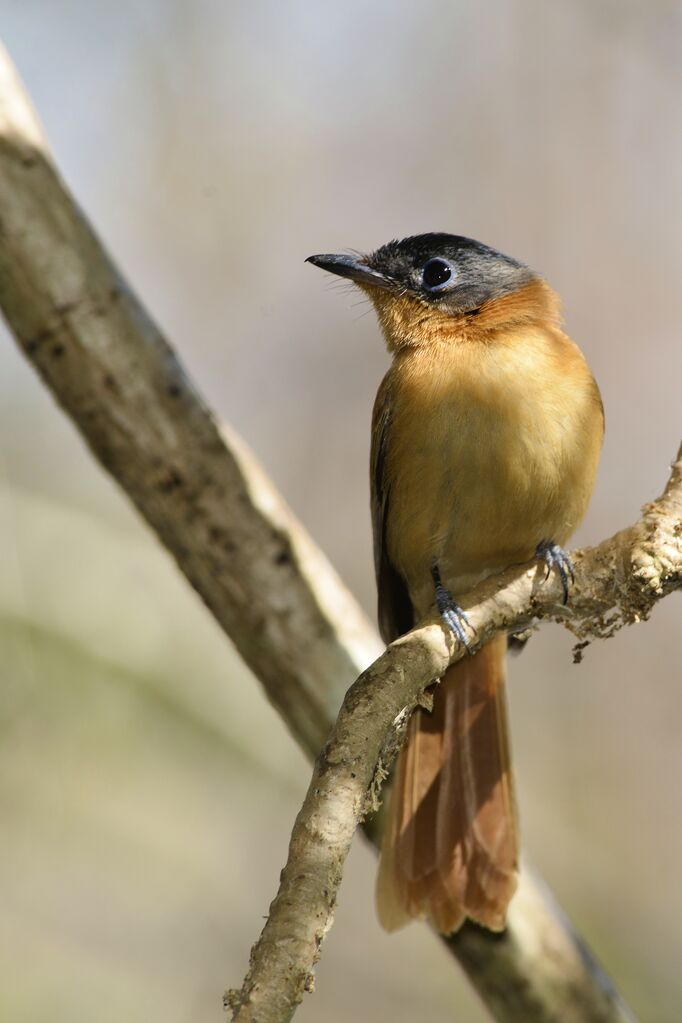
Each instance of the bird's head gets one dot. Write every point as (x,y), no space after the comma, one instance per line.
(431,285)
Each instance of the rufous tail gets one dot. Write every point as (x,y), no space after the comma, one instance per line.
(450,848)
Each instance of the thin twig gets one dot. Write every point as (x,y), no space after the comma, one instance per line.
(619,580)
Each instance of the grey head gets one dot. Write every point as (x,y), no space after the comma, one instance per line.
(446,270)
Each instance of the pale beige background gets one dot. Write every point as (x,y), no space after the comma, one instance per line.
(146,787)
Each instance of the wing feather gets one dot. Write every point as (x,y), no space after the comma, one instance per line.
(395,612)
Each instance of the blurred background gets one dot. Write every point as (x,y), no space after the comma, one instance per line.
(147,788)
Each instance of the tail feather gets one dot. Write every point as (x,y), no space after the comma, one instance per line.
(450,847)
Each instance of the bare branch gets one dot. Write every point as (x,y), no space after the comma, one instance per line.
(109,367)
(270,589)
(621,579)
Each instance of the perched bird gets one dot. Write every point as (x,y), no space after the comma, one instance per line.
(486,435)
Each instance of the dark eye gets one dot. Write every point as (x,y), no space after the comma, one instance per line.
(436,274)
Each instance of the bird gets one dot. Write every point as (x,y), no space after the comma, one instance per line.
(486,436)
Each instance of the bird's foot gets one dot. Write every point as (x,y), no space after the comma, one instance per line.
(556,557)
(452,614)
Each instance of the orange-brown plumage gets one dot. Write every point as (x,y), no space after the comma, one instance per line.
(486,435)
(450,848)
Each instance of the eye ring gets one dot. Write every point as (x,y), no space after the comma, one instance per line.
(437,273)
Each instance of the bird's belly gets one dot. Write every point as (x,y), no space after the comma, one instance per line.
(477,485)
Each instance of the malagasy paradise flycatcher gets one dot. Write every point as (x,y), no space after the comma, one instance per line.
(486,436)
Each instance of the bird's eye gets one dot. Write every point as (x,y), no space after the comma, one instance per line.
(436,274)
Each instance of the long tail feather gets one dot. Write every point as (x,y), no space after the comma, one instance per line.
(450,848)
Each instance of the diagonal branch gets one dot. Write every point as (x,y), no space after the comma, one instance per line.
(270,589)
(616,582)
(107,364)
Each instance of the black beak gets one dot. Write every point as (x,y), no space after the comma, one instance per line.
(350,266)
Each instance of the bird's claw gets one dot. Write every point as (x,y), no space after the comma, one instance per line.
(451,613)
(556,557)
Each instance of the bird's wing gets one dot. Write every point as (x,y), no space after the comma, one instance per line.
(395,609)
